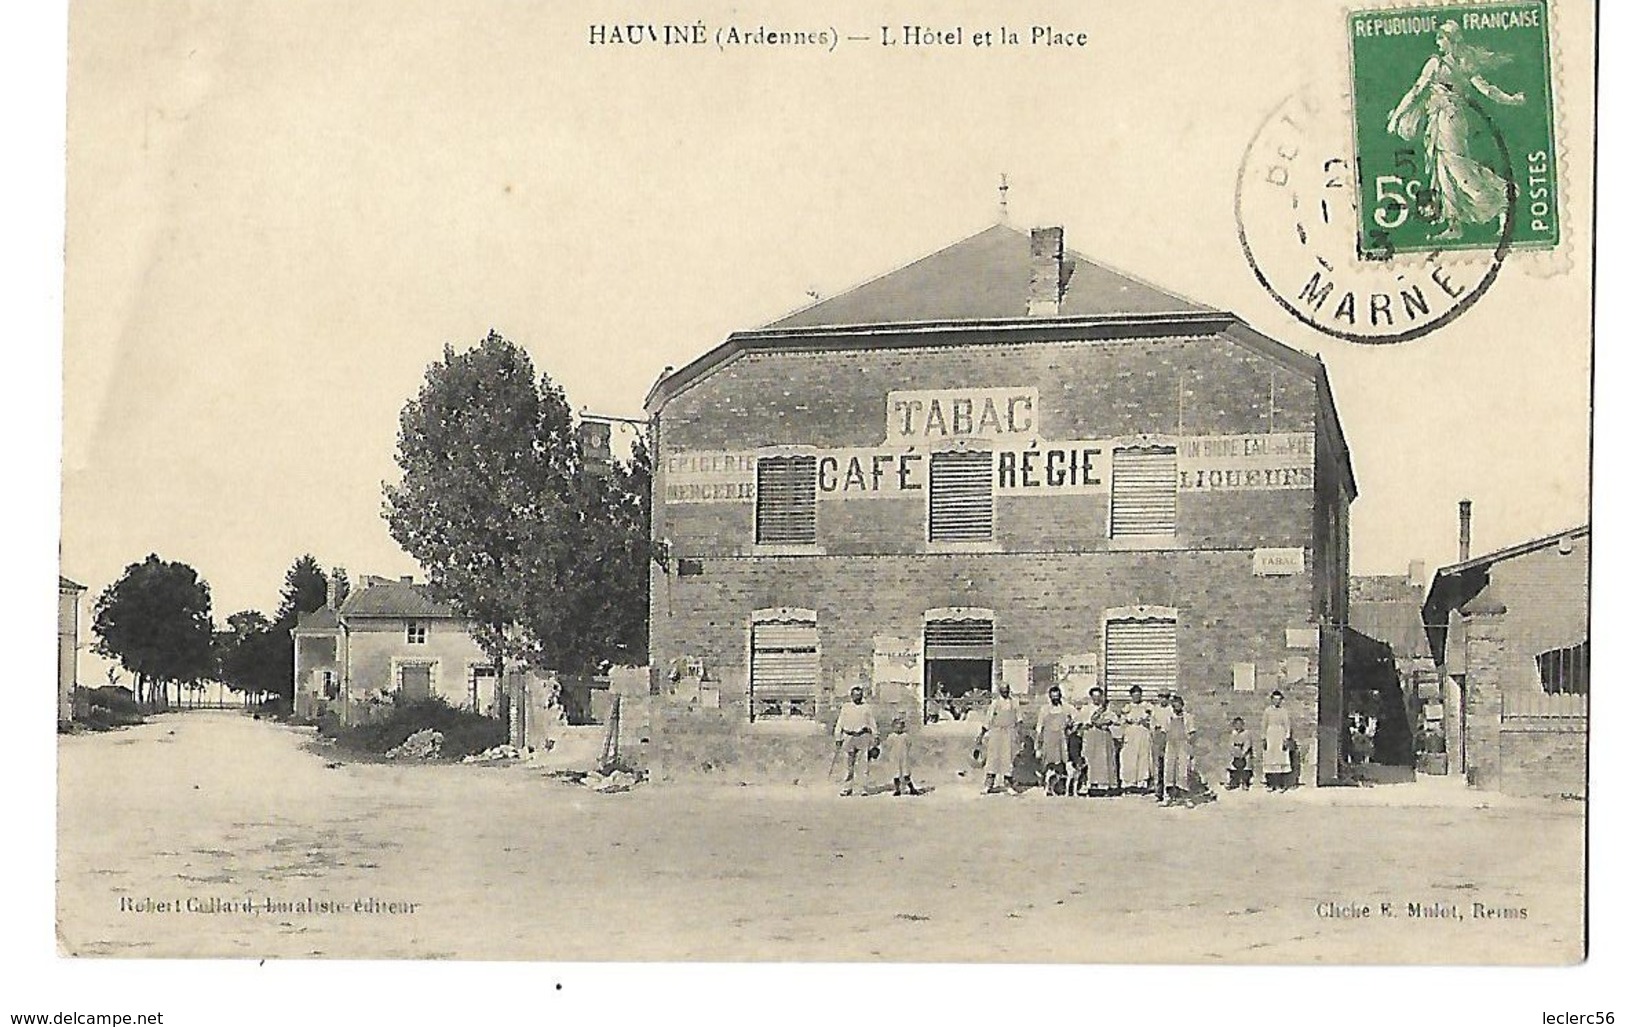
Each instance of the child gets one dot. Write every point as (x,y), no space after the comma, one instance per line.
(897,753)
(1241,756)
(1074,758)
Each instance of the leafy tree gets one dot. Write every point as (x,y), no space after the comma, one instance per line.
(250,656)
(547,559)
(155,621)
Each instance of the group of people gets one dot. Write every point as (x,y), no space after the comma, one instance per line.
(1141,748)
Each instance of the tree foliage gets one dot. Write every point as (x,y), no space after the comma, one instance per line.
(249,655)
(155,621)
(548,560)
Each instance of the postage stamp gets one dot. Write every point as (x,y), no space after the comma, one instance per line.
(1453,128)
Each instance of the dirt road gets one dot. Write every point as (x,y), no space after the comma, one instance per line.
(211,834)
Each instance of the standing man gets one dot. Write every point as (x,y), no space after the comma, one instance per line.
(1277,744)
(999,739)
(1054,721)
(1159,739)
(855,734)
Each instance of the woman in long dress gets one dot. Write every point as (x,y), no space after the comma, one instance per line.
(1277,743)
(1437,107)
(1099,747)
(1135,758)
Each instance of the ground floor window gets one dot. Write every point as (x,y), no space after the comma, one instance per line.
(1566,671)
(958,667)
(783,665)
(1140,650)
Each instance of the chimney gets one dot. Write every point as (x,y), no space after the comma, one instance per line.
(406,579)
(1466,552)
(333,590)
(1044,273)
(1417,574)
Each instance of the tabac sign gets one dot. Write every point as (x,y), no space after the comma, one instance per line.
(937,415)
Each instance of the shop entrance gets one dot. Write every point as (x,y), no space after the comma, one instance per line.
(958,668)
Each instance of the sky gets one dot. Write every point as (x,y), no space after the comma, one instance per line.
(279,213)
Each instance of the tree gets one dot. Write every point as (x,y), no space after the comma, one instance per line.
(304,590)
(250,656)
(155,621)
(494,502)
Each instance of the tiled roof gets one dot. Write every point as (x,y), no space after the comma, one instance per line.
(324,619)
(985,277)
(382,598)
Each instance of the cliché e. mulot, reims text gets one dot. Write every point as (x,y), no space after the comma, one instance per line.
(1419,911)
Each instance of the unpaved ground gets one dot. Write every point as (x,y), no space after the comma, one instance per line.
(502,863)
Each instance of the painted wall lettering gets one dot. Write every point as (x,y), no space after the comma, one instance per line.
(937,414)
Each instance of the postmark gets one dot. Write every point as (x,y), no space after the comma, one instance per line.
(1433,88)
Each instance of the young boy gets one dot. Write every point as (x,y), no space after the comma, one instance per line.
(897,753)
(1241,756)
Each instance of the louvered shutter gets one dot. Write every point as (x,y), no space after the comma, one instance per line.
(787,500)
(1140,652)
(962,497)
(1144,491)
(959,640)
(783,668)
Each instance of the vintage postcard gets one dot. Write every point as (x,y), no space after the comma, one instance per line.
(946,483)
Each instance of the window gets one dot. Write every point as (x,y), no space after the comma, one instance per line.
(958,667)
(787,500)
(330,686)
(1140,651)
(961,496)
(417,632)
(783,665)
(1566,671)
(1145,480)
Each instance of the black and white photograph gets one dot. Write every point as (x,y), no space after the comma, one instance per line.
(903,490)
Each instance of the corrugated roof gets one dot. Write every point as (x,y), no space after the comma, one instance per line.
(985,277)
(384,598)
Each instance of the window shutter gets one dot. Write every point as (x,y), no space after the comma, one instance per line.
(787,500)
(783,668)
(1140,652)
(1145,484)
(959,640)
(962,496)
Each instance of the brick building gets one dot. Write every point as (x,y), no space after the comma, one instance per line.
(1511,637)
(1001,462)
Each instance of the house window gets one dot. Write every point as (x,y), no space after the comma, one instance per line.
(417,632)
(961,496)
(787,500)
(330,686)
(1140,651)
(1566,671)
(1145,482)
(958,667)
(783,667)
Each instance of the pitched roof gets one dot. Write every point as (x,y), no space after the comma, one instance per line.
(1388,608)
(1518,550)
(385,598)
(324,619)
(64,585)
(985,277)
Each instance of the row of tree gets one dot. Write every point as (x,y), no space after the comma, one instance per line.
(156,620)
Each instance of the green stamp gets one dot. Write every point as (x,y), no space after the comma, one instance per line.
(1453,128)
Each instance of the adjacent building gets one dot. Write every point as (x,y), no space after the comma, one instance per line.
(1004,462)
(1510,634)
(388,639)
(67,645)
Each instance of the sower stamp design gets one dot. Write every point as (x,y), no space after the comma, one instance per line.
(1453,128)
